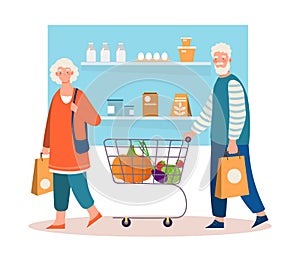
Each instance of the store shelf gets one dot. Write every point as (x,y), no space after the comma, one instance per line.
(146,64)
(147,118)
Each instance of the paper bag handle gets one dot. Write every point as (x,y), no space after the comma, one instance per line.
(41,156)
(226,154)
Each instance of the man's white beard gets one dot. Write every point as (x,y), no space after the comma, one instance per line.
(223,70)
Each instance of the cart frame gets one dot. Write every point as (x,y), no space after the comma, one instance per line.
(175,149)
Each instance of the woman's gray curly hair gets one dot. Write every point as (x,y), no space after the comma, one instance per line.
(65,63)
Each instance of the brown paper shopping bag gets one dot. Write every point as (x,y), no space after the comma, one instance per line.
(181,106)
(231,177)
(42,181)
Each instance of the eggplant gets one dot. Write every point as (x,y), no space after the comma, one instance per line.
(159,175)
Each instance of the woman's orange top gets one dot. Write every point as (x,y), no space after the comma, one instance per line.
(58,133)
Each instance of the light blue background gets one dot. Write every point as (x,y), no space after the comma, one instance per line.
(72,42)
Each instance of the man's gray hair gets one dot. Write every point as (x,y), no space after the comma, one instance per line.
(221,47)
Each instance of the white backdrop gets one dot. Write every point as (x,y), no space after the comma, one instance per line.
(273,96)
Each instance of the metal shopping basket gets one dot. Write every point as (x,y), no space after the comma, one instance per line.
(147,161)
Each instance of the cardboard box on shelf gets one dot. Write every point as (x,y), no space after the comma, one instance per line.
(150,104)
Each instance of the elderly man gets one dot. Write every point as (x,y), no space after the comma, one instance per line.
(227,112)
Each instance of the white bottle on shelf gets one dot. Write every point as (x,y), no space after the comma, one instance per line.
(105,53)
(121,53)
(91,53)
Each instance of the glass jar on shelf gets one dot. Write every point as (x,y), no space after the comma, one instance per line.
(129,110)
(114,106)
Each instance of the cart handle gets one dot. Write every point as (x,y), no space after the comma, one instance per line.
(188,139)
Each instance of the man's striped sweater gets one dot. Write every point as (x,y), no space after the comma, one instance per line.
(227,111)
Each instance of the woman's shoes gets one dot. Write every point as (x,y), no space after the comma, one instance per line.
(96,218)
(62,226)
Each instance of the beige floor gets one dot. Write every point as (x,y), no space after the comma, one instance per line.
(185,226)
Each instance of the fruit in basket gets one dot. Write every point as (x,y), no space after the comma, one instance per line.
(159,175)
(173,172)
(131,168)
(179,163)
(160,164)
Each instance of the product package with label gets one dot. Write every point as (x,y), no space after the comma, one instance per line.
(181,106)
(150,104)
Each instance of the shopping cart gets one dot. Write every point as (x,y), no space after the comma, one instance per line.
(147,162)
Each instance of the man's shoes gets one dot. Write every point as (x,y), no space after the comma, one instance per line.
(216,225)
(96,218)
(62,226)
(259,220)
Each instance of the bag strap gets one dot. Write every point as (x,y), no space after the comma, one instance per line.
(72,120)
(75,94)
(74,100)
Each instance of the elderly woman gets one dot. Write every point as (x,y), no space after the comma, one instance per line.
(68,166)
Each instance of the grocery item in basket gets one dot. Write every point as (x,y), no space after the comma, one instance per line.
(132,168)
(179,163)
(156,171)
(173,172)
(159,175)
(160,164)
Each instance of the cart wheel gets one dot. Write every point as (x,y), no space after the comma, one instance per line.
(126,222)
(168,222)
